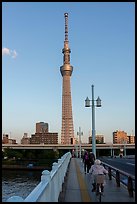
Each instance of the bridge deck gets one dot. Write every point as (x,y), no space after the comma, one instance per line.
(78,185)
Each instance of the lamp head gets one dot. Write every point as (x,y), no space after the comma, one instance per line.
(87,102)
(98,101)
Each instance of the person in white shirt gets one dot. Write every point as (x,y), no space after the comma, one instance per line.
(95,170)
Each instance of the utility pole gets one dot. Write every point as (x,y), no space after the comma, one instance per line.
(80,134)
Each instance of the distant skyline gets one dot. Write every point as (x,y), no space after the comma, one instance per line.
(102,43)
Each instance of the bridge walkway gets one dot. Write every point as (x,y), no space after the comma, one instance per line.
(78,185)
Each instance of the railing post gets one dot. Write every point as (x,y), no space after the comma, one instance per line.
(45,176)
(54,187)
(109,173)
(130,186)
(15,199)
(118,178)
(54,166)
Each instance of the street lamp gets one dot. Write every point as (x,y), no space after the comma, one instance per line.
(79,134)
(98,104)
(124,146)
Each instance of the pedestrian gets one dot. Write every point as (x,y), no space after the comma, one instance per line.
(95,170)
(86,162)
(91,159)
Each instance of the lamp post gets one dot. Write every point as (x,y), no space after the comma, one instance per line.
(98,104)
(79,134)
(112,151)
(125,142)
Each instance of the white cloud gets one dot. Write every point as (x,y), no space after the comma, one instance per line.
(7,51)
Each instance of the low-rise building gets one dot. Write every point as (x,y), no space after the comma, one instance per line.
(6,140)
(25,139)
(45,138)
(131,139)
(120,137)
(99,139)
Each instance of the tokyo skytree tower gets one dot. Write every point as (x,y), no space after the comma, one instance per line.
(67,131)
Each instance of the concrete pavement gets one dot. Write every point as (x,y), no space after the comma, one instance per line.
(78,185)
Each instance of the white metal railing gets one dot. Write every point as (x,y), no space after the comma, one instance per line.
(49,188)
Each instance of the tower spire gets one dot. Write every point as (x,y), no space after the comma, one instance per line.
(66,50)
(66,26)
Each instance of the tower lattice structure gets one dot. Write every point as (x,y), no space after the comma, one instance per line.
(67,131)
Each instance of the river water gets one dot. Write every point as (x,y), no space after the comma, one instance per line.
(19,183)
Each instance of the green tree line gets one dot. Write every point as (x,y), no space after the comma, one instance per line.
(25,156)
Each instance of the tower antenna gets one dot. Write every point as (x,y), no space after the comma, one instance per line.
(66,26)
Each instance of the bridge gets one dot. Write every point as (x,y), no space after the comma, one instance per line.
(66,182)
(68,146)
(110,149)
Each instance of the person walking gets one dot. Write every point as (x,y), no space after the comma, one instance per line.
(86,162)
(91,159)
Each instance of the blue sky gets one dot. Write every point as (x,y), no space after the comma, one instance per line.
(102,43)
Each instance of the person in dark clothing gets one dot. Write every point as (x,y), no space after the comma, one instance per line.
(86,162)
(91,159)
